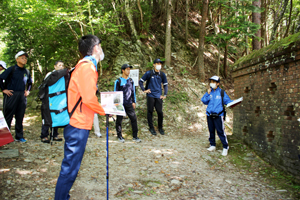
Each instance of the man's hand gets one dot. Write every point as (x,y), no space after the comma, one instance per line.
(8,92)
(147,91)
(163,97)
(209,90)
(133,105)
(26,93)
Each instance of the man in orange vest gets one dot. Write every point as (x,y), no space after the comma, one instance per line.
(82,85)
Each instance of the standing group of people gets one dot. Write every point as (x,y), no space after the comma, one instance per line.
(83,84)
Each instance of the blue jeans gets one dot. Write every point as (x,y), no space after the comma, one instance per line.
(75,142)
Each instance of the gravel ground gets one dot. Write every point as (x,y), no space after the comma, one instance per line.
(160,167)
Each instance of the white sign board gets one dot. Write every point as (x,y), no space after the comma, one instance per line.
(134,74)
(112,103)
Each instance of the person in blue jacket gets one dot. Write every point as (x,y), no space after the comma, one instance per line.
(215,114)
(155,78)
(126,85)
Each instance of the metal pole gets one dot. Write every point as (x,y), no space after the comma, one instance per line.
(107,174)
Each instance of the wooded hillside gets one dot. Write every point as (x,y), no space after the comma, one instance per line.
(48,30)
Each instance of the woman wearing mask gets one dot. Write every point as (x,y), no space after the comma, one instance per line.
(215,112)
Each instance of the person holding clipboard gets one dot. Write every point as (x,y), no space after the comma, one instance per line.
(215,98)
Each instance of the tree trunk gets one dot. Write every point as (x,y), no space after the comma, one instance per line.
(263,22)
(200,63)
(187,21)
(90,18)
(277,20)
(290,18)
(225,59)
(132,26)
(298,25)
(219,56)
(256,19)
(168,34)
(141,12)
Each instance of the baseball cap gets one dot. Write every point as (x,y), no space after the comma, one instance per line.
(157,60)
(215,78)
(21,53)
(3,64)
(126,66)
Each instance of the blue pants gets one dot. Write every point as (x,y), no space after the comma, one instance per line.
(75,142)
(217,124)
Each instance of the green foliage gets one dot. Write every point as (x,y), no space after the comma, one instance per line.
(280,44)
(176,97)
(235,24)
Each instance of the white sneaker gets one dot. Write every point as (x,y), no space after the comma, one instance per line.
(225,152)
(211,148)
(98,134)
(121,139)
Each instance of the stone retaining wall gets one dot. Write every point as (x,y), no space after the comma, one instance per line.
(268,120)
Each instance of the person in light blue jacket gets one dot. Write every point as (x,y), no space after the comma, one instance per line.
(215,112)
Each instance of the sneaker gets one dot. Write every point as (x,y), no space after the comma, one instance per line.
(211,148)
(121,139)
(225,152)
(152,131)
(136,139)
(57,139)
(98,134)
(161,131)
(21,140)
(45,140)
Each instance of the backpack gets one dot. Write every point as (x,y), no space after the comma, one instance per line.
(53,93)
(119,82)
(151,74)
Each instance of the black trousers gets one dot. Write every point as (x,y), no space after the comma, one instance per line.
(45,131)
(158,104)
(15,105)
(217,124)
(131,114)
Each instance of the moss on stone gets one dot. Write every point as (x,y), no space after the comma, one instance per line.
(282,44)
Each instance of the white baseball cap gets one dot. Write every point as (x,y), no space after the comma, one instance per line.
(215,78)
(21,53)
(3,64)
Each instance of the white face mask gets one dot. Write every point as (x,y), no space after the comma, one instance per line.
(158,67)
(213,85)
(102,56)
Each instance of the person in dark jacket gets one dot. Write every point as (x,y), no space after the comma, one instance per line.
(126,85)
(14,103)
(155,78)
(45,129)
(215,114)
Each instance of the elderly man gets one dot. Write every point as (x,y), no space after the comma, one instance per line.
(14,103)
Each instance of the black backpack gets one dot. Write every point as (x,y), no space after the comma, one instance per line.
(151,74)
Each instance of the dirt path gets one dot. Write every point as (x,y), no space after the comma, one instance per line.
(162,167)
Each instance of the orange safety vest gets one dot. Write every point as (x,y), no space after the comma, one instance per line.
(83,84)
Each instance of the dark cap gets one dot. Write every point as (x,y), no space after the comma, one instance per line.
(215,78)
(157,60)
(126,66)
